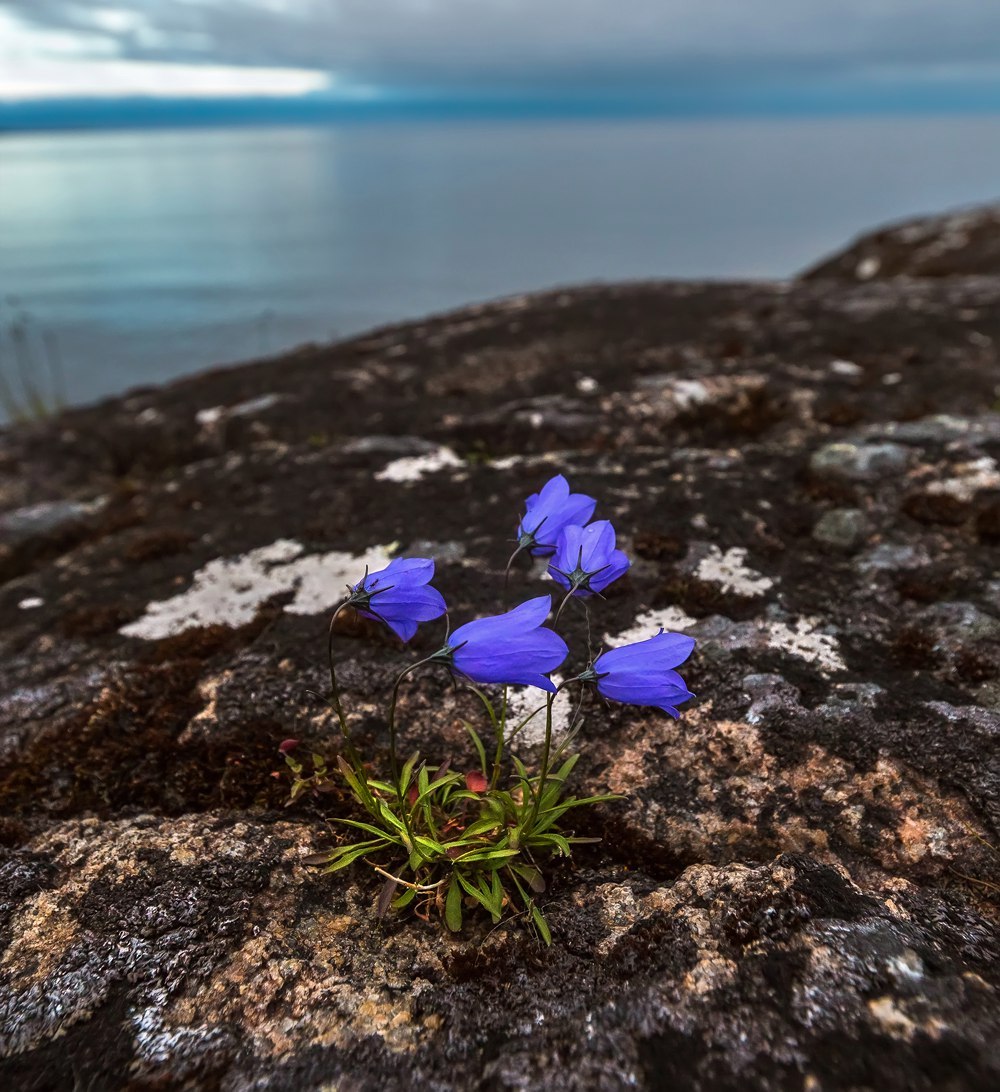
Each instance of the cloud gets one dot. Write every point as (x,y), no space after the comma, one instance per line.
(504,44)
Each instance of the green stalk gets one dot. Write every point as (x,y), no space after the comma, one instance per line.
(501,730)
(335,689)
(393,758)
(546,752)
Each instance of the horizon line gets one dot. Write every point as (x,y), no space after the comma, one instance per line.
(75,113)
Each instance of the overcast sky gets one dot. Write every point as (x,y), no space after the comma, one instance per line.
(368,48)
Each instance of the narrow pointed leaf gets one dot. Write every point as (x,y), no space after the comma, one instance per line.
(453,906)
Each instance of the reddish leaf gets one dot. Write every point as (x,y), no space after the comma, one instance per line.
(475,782)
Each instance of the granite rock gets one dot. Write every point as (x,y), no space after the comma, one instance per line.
(799,886)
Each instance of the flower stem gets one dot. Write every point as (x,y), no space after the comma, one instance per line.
(338,707)
(501,729)
(393,757)
(546,752)
(566,599)
(335,689)
(506,573)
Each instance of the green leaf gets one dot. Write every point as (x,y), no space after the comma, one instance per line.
(349,854)
(497,893)
(392,819)
(381,786)
(482,826)
(367,828)
(566,768)
(405,899)
(541,924)
(407,772)
(553,839)
(318,858)
(434,788)
(429,847)
(489,857)
(482,895)
(532,877)
(453,905)
(487,705)
(360,789)
(478,744)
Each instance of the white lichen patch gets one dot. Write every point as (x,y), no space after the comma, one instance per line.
(846,368)
(229,590)
(969,479)
(412,468)
(800,637)
(803,640)
(730,571)
(671,619)
(689,392)
(212,416)
(524,702)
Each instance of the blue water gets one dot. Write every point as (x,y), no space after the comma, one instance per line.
(142,256)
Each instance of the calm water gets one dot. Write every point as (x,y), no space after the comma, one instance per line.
(141,256)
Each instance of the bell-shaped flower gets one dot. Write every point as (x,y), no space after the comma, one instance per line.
(550,510)
(642,674)
(513,648)
(586,560)
(400,595)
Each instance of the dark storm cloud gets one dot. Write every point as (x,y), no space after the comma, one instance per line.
(441,43)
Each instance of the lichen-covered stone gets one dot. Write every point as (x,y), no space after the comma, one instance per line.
(841,528)
(799,886)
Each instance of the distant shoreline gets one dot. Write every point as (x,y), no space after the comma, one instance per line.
(146,113)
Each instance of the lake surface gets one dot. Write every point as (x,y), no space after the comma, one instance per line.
(142,256)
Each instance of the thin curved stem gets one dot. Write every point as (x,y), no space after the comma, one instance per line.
(337,707)
(590,634)
(506,573)
(566,599)
(393,758)
(421,888)
(546,752)
(500,728)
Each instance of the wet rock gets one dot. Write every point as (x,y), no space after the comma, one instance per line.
(842,529)
(859,462)
(798,886)
(44,520)
(894,557)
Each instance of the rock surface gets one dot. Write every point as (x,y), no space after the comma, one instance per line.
(963,243)
(799,890)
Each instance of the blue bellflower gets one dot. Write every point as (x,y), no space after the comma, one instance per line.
(641,674)
(507,648)
(550,510)
(586,561)
(400,595)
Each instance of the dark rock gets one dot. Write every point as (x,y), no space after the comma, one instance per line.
(960,243)
(842,528)
(798,888)
(859,462)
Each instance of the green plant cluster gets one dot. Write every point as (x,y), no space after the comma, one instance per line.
(447,842)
